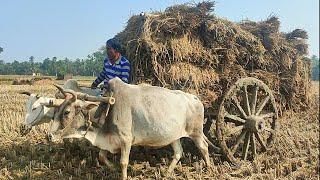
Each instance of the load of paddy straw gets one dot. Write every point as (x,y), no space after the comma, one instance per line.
(187,47)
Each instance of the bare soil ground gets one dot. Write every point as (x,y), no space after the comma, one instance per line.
(294,154)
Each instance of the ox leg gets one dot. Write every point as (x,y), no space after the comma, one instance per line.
(103,160)
(124,160)
(178,151)
(202,145)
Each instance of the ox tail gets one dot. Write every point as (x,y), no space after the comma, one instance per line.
(215,148)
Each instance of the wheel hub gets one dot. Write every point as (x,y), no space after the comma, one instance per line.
(255,124)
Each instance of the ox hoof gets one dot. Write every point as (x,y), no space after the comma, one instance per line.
(110,166)
(166,173)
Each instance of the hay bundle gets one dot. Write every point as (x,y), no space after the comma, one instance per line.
(187,47)
(22,81)
(44,82)
(32,81)
(39,78)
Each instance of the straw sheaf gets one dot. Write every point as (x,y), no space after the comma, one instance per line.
(187,47)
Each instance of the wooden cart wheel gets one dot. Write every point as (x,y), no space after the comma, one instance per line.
(246,121)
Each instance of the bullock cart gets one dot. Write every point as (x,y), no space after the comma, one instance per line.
(188,47)
(245,122)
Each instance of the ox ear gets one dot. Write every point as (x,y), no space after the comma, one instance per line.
(91,105)
(29,94)
(86,105)
(59,95)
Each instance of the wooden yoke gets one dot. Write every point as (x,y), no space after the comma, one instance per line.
(110,100)
(106,100)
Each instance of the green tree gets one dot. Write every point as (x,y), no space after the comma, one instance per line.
(2,67)
(31,61)
(54,66)
(315,68)
(92,65)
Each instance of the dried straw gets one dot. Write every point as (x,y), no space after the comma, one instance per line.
(187,47)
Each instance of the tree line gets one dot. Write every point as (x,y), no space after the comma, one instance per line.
(89,66)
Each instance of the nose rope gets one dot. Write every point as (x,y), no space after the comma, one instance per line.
(64,127)
(90,123)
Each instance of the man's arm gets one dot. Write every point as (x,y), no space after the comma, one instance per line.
(100,77)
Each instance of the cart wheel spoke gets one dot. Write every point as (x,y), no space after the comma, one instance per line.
(261,106)
(238,141)
(245,146)
(254,100)
(246,98)
(263,145)
(234,130)
(253,145)
(234,119)
(239,107)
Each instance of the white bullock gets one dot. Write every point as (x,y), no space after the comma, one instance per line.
(142,115)
(37,114)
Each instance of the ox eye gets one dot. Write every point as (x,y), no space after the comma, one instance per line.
(34,108)
(66,112)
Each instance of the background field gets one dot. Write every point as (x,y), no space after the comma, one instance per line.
(295,153)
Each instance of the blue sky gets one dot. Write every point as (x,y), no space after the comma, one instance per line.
(77,28)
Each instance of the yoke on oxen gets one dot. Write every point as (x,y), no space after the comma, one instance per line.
(100,115)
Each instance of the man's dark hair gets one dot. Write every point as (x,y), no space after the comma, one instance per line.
(114,43)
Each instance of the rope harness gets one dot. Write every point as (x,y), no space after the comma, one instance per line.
(90,123)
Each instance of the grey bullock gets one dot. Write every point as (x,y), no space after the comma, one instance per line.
(142,115)
(37,113)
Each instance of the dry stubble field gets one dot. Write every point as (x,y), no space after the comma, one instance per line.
(294,155)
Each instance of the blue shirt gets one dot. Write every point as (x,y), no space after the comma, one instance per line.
(121,69)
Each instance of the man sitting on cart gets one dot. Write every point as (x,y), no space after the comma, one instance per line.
(114,65)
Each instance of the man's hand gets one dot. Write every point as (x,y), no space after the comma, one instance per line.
(93,86)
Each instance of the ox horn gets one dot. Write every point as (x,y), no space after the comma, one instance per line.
(65,91)
(60,89)
(59,95)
